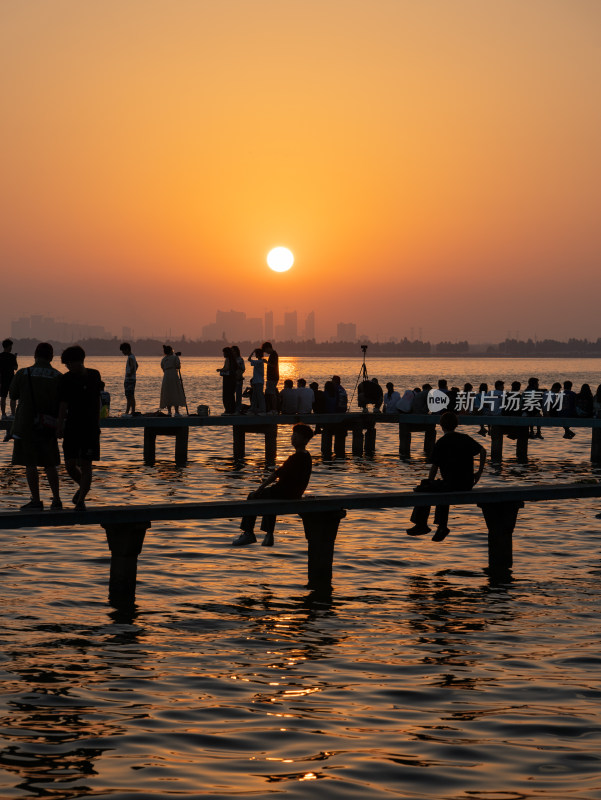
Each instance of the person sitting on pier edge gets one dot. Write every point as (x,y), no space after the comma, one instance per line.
(78,420)
(129,382)
(287,482)
(390,399)
(272,378)
(289,398)
(453,455)
(36,390)
(306,397)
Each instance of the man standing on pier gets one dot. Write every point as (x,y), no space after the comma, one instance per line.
(78,420)
(34,429)
(129,383)
(288,482)
(453,455)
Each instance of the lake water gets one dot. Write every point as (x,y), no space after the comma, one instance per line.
(421,679)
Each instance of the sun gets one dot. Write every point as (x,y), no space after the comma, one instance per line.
(280,259)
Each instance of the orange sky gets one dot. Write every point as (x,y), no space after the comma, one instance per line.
(430,163)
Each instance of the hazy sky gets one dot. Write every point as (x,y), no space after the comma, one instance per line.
(431,164)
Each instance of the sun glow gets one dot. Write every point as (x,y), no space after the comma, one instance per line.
(280,259)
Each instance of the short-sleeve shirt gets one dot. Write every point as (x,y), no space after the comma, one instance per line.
(81,393)
(293,476)
(8,366)
(454,455)
(131,367)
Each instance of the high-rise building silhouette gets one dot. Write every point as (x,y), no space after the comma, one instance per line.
(310,326)
(268,326)
(347,332)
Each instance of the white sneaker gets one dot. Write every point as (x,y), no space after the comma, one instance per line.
(177,414)
(126,415)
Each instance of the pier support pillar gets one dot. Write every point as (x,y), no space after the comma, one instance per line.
(340,440)
(596,445)
(370,440)
(404,440)
(271,445)
(125,540)
(150,440)
(239,437)
(496,443)
(500,520)
(326,441)
(181,434)
(429,440)
(521,445)
(357,445)
(181,445)
(320,531)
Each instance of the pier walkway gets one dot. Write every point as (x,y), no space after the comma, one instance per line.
(337,427)
(126,526)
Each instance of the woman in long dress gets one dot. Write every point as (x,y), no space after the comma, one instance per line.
(172,392)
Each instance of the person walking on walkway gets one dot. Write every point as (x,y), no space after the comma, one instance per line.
(453,454)
(8,367)
(35,390)
(78,420)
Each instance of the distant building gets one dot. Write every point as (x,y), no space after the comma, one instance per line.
(38,327)
(233,326)
(310,326)
(291,325)
(347,332)
(269,325)
(127,333)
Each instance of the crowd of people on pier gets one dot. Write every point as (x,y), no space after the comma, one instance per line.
(46,405)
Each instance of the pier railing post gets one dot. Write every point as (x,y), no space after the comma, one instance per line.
(125,540)
(500,520)
(404,440)
(181,445)
(320,531)
(239,437)
(596,445)
(150,441)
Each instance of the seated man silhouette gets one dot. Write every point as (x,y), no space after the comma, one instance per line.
(453,455)
(287,482)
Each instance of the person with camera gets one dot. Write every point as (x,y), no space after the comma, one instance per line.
(35,390)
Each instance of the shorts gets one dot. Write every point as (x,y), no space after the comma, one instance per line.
(82,445)
(129,386)
(42,452)
(5,382)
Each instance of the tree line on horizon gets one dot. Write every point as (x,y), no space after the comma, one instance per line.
(405,347)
